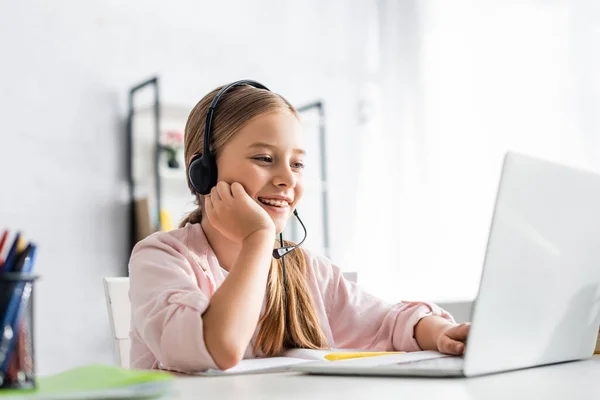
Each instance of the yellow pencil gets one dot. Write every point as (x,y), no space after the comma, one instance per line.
(345,356)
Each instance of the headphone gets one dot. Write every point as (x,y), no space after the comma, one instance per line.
(202,171)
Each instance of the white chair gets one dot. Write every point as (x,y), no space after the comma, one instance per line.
(116,291)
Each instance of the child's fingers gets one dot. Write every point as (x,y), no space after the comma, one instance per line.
(237,190)
(215,197)
(208,207)
(450,346)
(224,191)
(452,341)
(459,332)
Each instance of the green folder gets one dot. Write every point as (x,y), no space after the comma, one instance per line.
(97,382)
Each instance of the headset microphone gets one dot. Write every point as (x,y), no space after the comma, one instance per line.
(283,250)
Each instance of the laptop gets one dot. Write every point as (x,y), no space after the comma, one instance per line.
(539,296)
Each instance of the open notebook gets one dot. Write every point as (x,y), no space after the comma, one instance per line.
(97,382)
(288,359)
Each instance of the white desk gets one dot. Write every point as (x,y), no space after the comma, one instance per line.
(572,381)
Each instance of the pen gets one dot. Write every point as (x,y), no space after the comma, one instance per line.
(2,241)
(348,355)
(12,254)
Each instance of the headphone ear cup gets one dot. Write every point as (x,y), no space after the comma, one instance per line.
(202,176)
(211,174)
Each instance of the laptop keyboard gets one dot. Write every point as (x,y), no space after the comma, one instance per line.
(445,363)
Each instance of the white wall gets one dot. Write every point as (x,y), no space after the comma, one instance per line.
(499,76)
(462,82)
(66,70)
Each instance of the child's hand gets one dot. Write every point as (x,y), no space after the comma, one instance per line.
(235,214)
(452,339)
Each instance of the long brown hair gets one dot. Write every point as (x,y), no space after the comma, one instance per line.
(289,319)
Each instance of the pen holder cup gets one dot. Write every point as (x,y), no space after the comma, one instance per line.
(17,358)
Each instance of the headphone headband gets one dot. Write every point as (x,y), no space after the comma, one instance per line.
(203,168)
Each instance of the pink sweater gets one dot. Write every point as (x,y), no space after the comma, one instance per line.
(174,274)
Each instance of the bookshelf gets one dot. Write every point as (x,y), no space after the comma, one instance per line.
(153,186)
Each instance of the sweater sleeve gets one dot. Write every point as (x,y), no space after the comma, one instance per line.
(168,297)
(360,320)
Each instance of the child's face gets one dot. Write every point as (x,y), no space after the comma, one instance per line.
(267,157)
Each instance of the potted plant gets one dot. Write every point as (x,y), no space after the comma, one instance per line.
(172,146)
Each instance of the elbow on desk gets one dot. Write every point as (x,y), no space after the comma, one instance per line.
(187,362)
(218,352)
(225,355)
(226,348)
(184,360)
(198,353)
(226,361)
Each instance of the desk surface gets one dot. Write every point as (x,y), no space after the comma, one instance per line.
(575,380)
